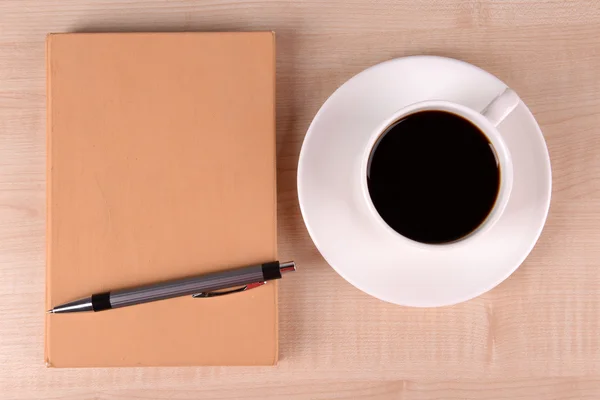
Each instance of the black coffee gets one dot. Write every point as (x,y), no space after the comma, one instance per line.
(433,177)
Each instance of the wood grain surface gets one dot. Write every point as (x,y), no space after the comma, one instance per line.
(534,336)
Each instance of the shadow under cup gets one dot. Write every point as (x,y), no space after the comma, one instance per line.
(433,176)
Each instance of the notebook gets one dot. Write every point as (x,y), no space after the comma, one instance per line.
(161,165)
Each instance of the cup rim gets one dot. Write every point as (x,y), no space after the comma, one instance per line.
(498,146)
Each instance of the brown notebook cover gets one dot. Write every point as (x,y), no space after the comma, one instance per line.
(161,165)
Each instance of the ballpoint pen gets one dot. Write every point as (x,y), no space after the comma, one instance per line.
(199,286)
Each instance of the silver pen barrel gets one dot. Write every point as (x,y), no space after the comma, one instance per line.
(184,287)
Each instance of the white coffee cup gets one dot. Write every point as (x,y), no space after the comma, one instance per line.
(487,122)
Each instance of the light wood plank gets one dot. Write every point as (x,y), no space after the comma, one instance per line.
(539,389)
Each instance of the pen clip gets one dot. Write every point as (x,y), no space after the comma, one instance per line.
(244,288)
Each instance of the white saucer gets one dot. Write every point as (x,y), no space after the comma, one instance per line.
(358,247)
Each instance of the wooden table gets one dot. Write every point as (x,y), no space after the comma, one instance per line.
(535,336)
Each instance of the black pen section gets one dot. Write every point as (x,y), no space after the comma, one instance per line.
(271,271)
(101,301)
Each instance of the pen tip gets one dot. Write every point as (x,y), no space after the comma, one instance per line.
(50,312)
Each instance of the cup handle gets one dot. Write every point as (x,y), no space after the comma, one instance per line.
(501,106)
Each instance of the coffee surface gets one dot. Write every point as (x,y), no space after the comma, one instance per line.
(433,177)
